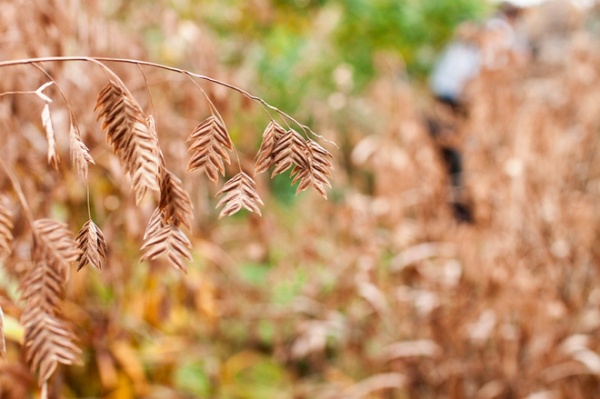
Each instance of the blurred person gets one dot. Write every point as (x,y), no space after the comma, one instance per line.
(459,63)
(493,45)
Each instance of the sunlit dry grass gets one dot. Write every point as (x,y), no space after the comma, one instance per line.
(376,293)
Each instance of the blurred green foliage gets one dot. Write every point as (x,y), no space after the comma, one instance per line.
(294,46)
(415,29)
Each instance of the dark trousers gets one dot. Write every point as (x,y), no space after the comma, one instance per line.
(452,160)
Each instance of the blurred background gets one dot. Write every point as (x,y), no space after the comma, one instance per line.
(457,256)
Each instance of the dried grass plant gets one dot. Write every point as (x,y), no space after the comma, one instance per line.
(378,293)
(132,136)
(398,299)
(39,251)
(506,308)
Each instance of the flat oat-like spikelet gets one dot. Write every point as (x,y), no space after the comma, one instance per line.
(316,172)
(209,145)
(6,226)
(48,340)
(264,156)
(55,242)
(168,241)
(42,290)
(131,138)
(155,223)
(92,245)
(239,192)
(289,149)
(175,202)
(163,236)
(80,154)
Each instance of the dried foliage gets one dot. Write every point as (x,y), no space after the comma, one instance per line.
(315,171)
(47,122)
(288,150)
(284,149)
(48,340)
(163,236)
(502,308)
(239,192)
(131,138)
(264,157)
(380,294)
(53,242)
(209,146)
(132,135)
(80,154)
(175,204)
(92,246)
(169,241)
(155,223)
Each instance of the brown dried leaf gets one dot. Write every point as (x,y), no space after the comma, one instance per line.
(132,140)
(53,158)
(80,154)
(92,245)
(239,192)
(6,226)
(264,156)
(170,242)
(209,145)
